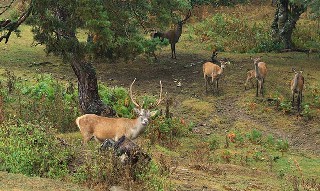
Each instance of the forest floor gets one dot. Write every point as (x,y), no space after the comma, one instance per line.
(234,109)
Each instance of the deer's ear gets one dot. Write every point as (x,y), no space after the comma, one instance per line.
(153,113)
(136,110)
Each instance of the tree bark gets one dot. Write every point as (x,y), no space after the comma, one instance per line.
(286,16)
(89,99)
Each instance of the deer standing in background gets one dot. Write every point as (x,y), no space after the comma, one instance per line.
(173,35)
(102,128)
(214,57)
(297,84)
(213,71)
(260,69)
(250,75)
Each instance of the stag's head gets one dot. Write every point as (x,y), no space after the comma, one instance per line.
(182,22)
(145,114)
(256,60)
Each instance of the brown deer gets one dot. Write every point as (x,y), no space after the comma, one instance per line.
(173,35)
(214,71)
(260,69)
(102,128)
(250,75)
(297,84)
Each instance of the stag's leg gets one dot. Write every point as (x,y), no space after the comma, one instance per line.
(298,101)
(206,83)
(292,102)
(154,55)
(245,84)
(174,50)
(252,84)
(217,83)
(262,87)
(257,88)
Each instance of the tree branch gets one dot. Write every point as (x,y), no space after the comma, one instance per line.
(12,26)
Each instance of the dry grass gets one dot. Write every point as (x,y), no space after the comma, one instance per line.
(18,182)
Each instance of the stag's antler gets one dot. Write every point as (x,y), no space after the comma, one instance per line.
(187,17)
(159,100)
(130,90)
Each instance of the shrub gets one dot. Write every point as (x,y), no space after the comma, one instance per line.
(45,100)
(214,143)
(255,136)
(31,148)
(166,131)
(242,36)
(282,145)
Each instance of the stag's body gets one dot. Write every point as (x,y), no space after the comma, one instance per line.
(102,128)
(250,75)
(297,84)
(173,35)
(260,69)
(213,71)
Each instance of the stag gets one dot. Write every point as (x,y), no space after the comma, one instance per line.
(102,128)
(173,35)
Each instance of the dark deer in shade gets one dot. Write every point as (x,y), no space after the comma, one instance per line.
(173,35)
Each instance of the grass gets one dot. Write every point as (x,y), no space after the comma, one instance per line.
(20,182)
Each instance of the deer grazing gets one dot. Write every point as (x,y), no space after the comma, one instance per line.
(250,75)
(260,69)
(102,128)
(297,84)
(213,71)
(173,35)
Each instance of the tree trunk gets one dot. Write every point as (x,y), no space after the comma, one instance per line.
(89,98)
(286,16)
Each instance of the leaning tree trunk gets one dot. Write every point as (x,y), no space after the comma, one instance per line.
(286,16)
(89,98)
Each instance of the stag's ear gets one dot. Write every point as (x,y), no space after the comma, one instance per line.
(137,111)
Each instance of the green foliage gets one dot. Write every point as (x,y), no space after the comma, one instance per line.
(31,148)
(307,112)
(117,98)
(255,136)
(45,100)
(165,131)
(242,35)
(270,142)
(216,2)
(118,26)
(282,145)
(214,143)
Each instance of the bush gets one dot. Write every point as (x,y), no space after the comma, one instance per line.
(166,131)
(32,149)
(45,100)
(255,136)
(241,35)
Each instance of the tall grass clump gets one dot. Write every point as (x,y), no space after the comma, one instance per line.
(31,148)
(46,99)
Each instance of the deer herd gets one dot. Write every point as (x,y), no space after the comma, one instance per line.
(104,129)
